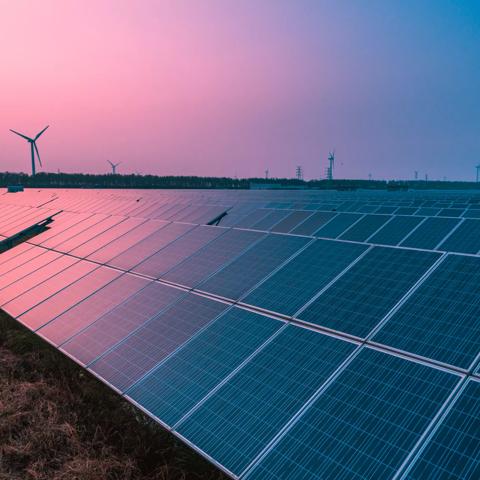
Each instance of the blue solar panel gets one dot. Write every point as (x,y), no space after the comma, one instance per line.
(395,230)
(254,265)
(337,225)
(465,239)
(364,228)
(120,322)
(249,409)
(212,257)
(453,452)
(363,425)
(301,278)
(431,323)
(313,223)
(155,340)
(180,382)
(359,300)
(430,233)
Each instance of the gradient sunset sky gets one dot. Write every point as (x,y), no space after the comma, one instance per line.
(232,87)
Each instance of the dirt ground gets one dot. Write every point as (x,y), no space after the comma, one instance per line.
(57,422)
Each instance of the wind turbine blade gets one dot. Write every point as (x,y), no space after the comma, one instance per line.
(38,134)
(38,155)
(21,135)
(111,163)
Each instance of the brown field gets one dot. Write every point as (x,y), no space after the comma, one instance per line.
(57,422)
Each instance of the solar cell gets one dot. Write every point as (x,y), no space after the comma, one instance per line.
(68,296)
(121,321)
(453,452)
(180,382)
(465,238)
(313,223)
(248,410)
(155,340)
(365,227)
(363,425)
(395,230)
(431,323)
(357,301)
(337,225)
(406,211)
(212,257)
(430,233)
(300,279)
(255,264)
(178,251)
(91,308)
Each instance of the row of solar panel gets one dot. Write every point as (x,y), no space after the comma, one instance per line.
(126,356)
(444,234)
(289,275)
(382,277)
(210,371)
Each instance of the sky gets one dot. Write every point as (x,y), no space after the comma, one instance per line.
(235,87)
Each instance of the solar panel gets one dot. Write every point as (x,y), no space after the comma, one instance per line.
(66,271)
(212,257)
(177,251)
(395,230)
(152,342)
(364,228)
(363,424)
(300,279)
(249,409)
(465,238)
(255,264)
(359,300)
(182,380)
(68,295)
(453,451)
(275,355)
(431,324)
(105,332)
(313,223)
(291,221)
(91,308)
(430,233)
(267,222)
(337,225)
(150,245)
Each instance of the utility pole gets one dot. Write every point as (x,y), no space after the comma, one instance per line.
(299,172)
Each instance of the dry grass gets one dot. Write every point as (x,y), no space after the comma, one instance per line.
(57,422)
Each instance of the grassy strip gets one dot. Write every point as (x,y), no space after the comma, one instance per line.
(58,422)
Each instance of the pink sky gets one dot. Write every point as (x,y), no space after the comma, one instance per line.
(228,87)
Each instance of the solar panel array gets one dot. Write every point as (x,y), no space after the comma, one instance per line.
(292,334)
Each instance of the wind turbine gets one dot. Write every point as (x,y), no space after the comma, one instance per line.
(114,166)
(33,146)
(331,164)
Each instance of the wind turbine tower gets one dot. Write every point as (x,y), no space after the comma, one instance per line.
(331,164)
(299,172)
(266,174)
(114,166)
(478,172)
(416,174)
(33,146)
